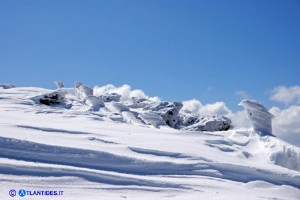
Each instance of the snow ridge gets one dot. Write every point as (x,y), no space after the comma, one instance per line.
(105,145)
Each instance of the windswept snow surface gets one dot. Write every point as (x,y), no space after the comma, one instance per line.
(88,154)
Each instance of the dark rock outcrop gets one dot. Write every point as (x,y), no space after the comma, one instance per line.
(53,98)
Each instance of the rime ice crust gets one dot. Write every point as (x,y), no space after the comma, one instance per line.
(138,111)
(259,116)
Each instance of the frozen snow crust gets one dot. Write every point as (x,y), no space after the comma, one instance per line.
(259,116)
(91,147)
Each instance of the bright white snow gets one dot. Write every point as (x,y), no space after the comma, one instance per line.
(259,116)
(108,153)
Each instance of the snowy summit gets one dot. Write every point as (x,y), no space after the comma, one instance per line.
(91,143)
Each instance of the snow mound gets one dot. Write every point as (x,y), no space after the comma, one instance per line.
(95,103)
(274,150)
(153,119)
(93,149)
(284,154)
(83,92)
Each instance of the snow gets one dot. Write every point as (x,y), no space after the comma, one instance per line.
(113,153)
(259,116)
(95,102)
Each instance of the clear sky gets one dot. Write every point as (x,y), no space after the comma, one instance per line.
(177,50)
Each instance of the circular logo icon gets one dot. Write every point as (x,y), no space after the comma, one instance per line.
(22,193)
(12,193)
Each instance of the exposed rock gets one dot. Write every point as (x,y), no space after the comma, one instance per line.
(53,98)
(134,111)
(117,107)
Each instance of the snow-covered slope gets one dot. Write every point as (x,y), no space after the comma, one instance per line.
(104,150)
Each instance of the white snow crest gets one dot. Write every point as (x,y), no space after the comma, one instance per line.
(259,116)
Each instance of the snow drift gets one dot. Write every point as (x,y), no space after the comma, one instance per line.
(91,147)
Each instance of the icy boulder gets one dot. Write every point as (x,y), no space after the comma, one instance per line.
(83,92)
(139,102)
(95,103)
(7,86)
(167,110)
(203,123)
(259,116)
(77,84)
(108,97)
(152,118)
(59,84)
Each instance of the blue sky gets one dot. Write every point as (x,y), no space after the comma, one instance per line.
(176,50)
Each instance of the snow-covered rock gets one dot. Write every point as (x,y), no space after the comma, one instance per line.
(78,84)
(108,97)
(167,110)
(139,102)
(95,103)
(78,151)
(259,116)
(59,84)
(203,123)
(7,86)
(83,92)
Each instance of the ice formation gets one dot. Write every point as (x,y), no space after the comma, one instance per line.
(259,117)
(139,111)
(59,84)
